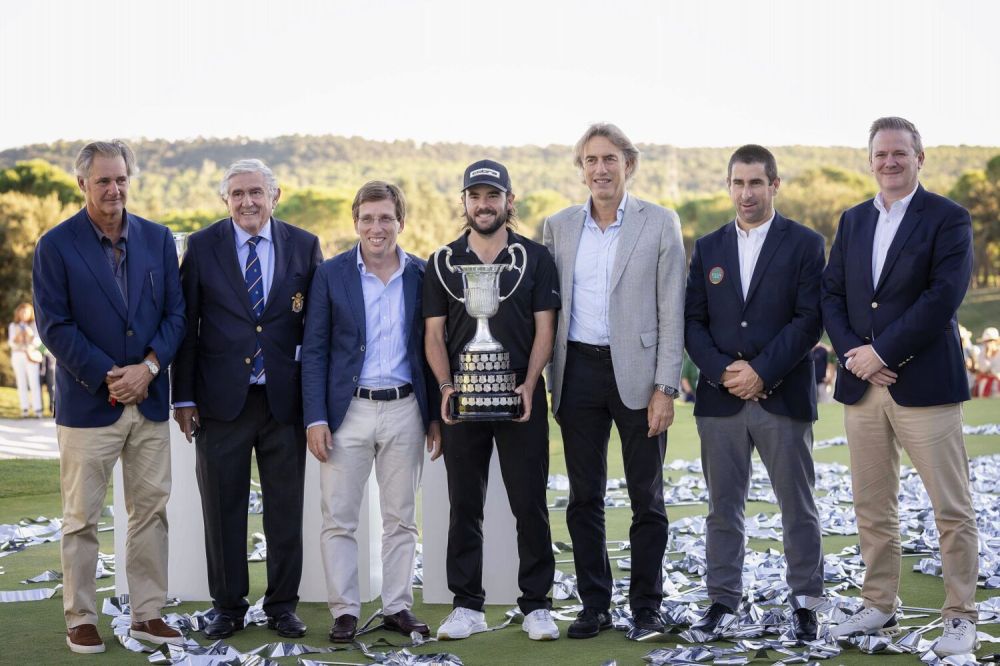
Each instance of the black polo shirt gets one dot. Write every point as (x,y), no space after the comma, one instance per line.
(514,323)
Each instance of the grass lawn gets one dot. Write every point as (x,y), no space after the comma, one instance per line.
(30,489)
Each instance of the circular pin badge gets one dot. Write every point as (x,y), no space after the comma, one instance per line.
(716,274)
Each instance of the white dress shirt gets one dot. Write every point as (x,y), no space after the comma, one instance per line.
(595,260)
(749,244)
(885,230)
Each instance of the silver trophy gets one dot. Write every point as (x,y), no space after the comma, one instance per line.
(484,384)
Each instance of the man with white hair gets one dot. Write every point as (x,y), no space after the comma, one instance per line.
(236,391)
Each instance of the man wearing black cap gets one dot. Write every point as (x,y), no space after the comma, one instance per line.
(525,326)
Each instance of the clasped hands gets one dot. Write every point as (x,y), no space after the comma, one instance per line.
(743,381)
(865,364)
(128,385)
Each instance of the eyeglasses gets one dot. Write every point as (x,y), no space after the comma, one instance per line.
(381,219)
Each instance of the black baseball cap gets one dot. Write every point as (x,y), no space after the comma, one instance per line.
(487,172)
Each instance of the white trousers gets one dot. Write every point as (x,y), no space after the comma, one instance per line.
(27,379)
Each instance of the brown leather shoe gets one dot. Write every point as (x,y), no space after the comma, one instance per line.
(156,631)
(405,622)
(344,629)
(84,639)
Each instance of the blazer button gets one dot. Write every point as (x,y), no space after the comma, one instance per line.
(355,379)
(874,305)
(739,354)
(247,360)
(130,332)
(743,324)
(260,328)
(362,347)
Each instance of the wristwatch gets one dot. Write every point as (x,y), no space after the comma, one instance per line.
(667,390)
(153,368)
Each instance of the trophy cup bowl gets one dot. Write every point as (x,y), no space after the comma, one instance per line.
(484,383)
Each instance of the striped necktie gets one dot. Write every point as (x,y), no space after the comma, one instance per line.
(255,290)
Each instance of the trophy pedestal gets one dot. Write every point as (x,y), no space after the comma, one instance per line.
(484,388)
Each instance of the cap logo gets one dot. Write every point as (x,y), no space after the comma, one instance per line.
(484,172)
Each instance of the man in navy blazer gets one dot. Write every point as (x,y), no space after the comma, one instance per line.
(236,390)
(365,396)
(109,307)
(752,315)
(898,270)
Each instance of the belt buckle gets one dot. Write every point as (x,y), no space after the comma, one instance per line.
(397,392)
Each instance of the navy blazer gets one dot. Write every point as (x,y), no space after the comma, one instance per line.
(773,329)
(84,322)
(213,364)
(333,351)
(910,315)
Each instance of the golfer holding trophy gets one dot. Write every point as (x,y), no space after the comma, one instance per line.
(490,304)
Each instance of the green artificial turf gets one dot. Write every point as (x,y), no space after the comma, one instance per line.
(34,631)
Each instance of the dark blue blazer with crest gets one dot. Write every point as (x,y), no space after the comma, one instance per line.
(84,321)
(212,367)
(910,315)
(333,351)
(773,328)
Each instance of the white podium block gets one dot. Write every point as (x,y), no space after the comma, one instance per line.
(500,559)
(187,572)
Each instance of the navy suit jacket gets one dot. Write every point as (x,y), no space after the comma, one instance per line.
(84,321)
(212,367)
(910,315)
(773,329)
(333,352)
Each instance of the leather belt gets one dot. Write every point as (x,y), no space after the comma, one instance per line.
(396,393)
(593,351)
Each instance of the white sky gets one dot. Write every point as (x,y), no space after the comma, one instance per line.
(510,72)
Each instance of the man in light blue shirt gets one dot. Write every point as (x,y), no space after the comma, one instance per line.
(365,399)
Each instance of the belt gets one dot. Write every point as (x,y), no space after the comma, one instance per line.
(396,393)
(593,351)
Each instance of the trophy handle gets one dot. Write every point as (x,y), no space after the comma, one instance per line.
(513,266)
(447,264)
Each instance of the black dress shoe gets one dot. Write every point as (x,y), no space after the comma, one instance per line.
(287,625)
(710,620)
(589,622)
(405,623)
(648,619)
(344,629)
(222,626)
(804,623)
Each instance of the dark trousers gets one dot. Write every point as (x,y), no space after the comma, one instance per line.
(224,450)
(523,449)
(589,403)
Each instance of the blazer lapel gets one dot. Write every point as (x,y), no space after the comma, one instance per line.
(731,259)
(574,229)
(774,237)
(90,249)
(906,227)
(355,294)
(229,264)
(280,256)
(136,262)
(410,281)
(866,238)
(633,222)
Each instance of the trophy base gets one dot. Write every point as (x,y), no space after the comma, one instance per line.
(484,407)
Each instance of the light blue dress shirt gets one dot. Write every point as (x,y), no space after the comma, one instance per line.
(595,261)
(385,365)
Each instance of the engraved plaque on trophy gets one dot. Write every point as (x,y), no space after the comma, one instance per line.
(484,383)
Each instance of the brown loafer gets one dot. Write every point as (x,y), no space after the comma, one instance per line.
(156,631)
(84,639)
(405,622)
(344,629)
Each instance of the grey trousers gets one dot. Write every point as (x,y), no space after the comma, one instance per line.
(785,447)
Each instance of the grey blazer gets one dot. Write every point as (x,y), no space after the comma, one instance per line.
(646,307)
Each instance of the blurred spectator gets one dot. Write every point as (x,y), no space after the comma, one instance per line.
(988,364)
(47,377)
(825,372)
(26,359)
(689,378)
(971,352)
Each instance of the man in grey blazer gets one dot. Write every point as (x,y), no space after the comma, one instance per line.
(617,354)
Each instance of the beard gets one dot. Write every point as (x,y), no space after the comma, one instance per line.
(491,228)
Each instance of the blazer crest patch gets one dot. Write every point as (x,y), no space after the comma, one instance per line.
(716,274)
(298,300)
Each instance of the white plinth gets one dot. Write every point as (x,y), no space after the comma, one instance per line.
(500,559)
(187,573)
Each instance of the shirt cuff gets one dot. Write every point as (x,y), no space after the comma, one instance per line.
(186,403)
(316,423)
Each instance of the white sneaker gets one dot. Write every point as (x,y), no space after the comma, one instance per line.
(959,637)
(462,623)
(539,626)
(869,621)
